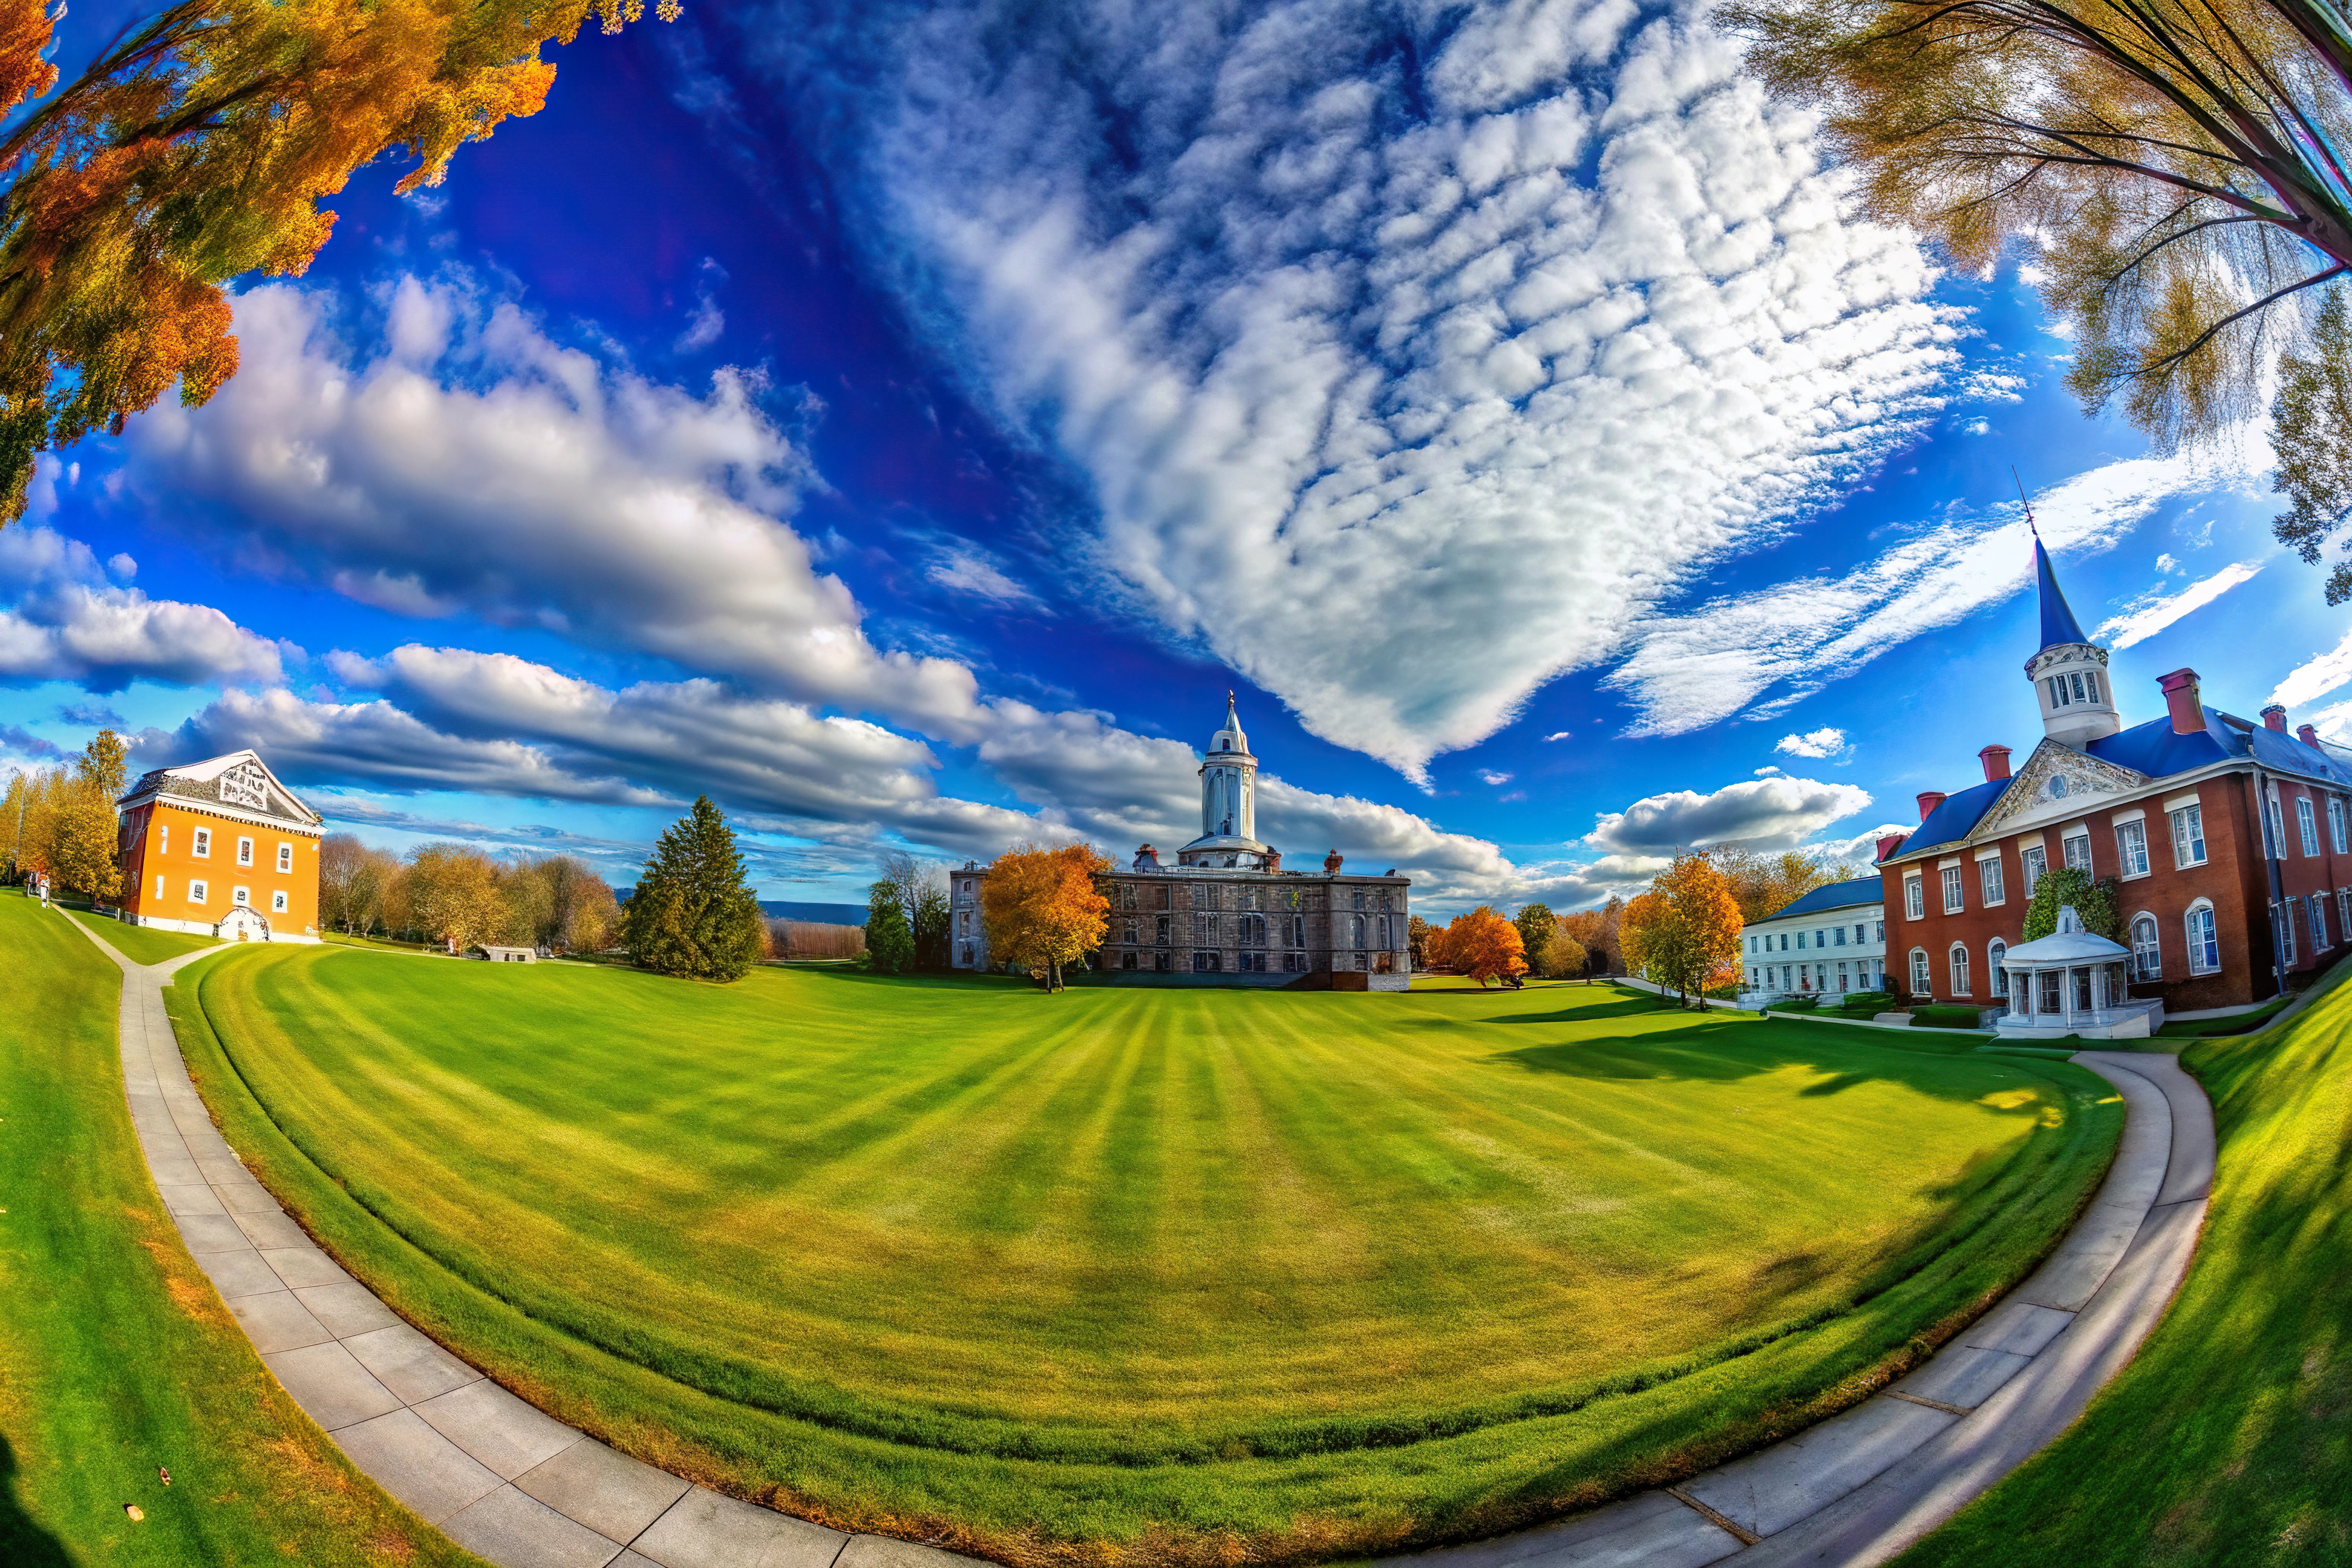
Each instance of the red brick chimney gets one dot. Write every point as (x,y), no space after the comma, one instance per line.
(1890,843)
(1995,762)
(2274,717)
(1929,801)
(1331,863)
(2180,696)
(2308,735)
(1273,859)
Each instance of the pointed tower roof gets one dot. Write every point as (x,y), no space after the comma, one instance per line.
(1230,738)
(2058,623)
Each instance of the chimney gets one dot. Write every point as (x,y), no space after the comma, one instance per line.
(1890,843)
(1273,860)
(2274,718)
(2308,735)
(1995,762)
(2179,690)
(1929,801)
(1146,859)
(1331,864)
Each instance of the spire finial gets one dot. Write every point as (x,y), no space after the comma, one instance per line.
(2023,503)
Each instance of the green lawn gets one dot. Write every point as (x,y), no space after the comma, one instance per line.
(141,944)
(116,1358)
(1155,1275)
(2248,1378)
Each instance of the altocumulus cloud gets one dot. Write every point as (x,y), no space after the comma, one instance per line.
(1776,813)
(1403,375)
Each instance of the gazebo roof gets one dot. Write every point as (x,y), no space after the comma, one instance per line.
(2070,943)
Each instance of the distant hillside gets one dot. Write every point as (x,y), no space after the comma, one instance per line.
(789,909)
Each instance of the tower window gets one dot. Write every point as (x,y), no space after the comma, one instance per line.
(2057,691)
(2078,690)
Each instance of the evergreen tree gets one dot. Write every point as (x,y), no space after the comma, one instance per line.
(693,913)
(889,941)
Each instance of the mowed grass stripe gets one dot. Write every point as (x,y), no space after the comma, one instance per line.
(1118,1263)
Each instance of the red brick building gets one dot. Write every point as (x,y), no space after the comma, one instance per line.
(2220,899)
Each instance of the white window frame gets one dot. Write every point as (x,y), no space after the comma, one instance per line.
(286,860)
(1990,879)
(2307,822)
(1915,896)
(2154,952)
(2283,928)
(1923,981)
(2204,938)
(1956,962)
(1956,894)
(2131,847)
(203,847)
(197,892)
(2274,824)
(2335,825)
(159,887)
(163,838)
(241,897)
(244,851)
(2319,942)
(1995,950)
(277,901)
(2066,850)
(2035,860)
(2188,847)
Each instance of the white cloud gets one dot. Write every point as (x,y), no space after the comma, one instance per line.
(2145,618)
(1384,398)
(1821,742)
(2167,562)
(1490,776)
(64,621)
(1695,667)
(2316,678)
(1766,771)
(709,322)
(1862,846)
(966,572)
(1765,813)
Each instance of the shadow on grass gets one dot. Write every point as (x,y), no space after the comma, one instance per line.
(23,1543)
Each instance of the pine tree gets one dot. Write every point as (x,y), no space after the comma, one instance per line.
(890,943)
(693,913)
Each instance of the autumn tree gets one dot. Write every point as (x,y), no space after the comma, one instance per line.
(1536,925)
(1042,908)
(1417,932)
(2178,164)
(452,896)
(1565,959)
(1483,945)
(694,912)
(1765,884)
(196,151)
(354,881)
(82,830)
(1684,932)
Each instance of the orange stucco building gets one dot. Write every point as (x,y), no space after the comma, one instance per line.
(220,848)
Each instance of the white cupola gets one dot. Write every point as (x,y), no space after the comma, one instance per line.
(2070,672)
(1229,783)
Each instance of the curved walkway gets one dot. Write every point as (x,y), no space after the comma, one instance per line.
(524,1490)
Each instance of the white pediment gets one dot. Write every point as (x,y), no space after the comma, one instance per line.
(2056,783)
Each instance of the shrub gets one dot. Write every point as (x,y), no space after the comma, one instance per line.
(1796,1005)
(1726,992)
(1947,1018)
(1868,1001)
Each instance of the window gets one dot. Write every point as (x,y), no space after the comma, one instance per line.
(2276,828)
(963,923)
(1360,897)
(1159,930)
(2309,824)
(1858,929)
(1821,939)
(2342,910)
(1914,899)
(2036,861)
(2058,692)
(1127,932)
(1954,899)
(1989,881)
(2319,943)
(1356,930)
(1126,899)
(241,897)
(195,892)
(1253,930)
(1841,936)
(1784,941)
(1997,977)
(1208,962)
(2188,836)
(1920,984)
(2147,955)
(2286,922)
(2131,847)
(286,863)
(1882,930)
(277,901)
(2336,822)
(159,886)
(164,838)
(1960,957)
(1167,899)
(202,848)
(1843,987)
(2204,944)
(2078,851)
(244,851)
(1801,942)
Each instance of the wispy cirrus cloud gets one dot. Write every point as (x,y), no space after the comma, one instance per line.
(2158,610)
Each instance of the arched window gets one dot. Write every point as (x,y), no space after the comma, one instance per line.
(1959,960)
(2148,953)
(1921,985)
(1995,976)
(2204,944)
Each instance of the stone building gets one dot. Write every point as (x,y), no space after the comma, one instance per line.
(220,848)
(1227,908)
(2231,839)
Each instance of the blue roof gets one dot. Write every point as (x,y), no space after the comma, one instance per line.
(1835,896)
(1956,816)
(2058,622)
(2153,749)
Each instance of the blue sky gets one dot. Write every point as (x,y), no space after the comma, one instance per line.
(906,427)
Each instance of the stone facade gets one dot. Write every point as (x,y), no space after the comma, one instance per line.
(1227,908)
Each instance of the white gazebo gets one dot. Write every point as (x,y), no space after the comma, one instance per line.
(2074,982)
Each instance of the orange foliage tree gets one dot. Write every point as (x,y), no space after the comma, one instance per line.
(196,151)
(1684,932)
(1480,944)
(1042,908)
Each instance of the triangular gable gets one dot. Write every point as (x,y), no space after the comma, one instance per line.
(241,779)
(2056,783)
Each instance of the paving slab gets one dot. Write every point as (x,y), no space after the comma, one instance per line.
(704,1530)
(496,1427)
(332,1386)
(406,1361)
(347,1310)
(1650,1531)
(303,1267)
(220,1168)
(192,1200)
(2017,1327)
(248,1196)
(205,1233)
(1770,1490)
(607,1492)
(174,1171)
(276,1322)
(887,1551)
(271,1228)
(241,1273)
(519,1532)
(417,1465)
(1964,1375)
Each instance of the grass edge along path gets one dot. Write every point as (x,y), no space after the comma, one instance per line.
(117,1359)
(1025,1512)
(2249,1374)
(141,944)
